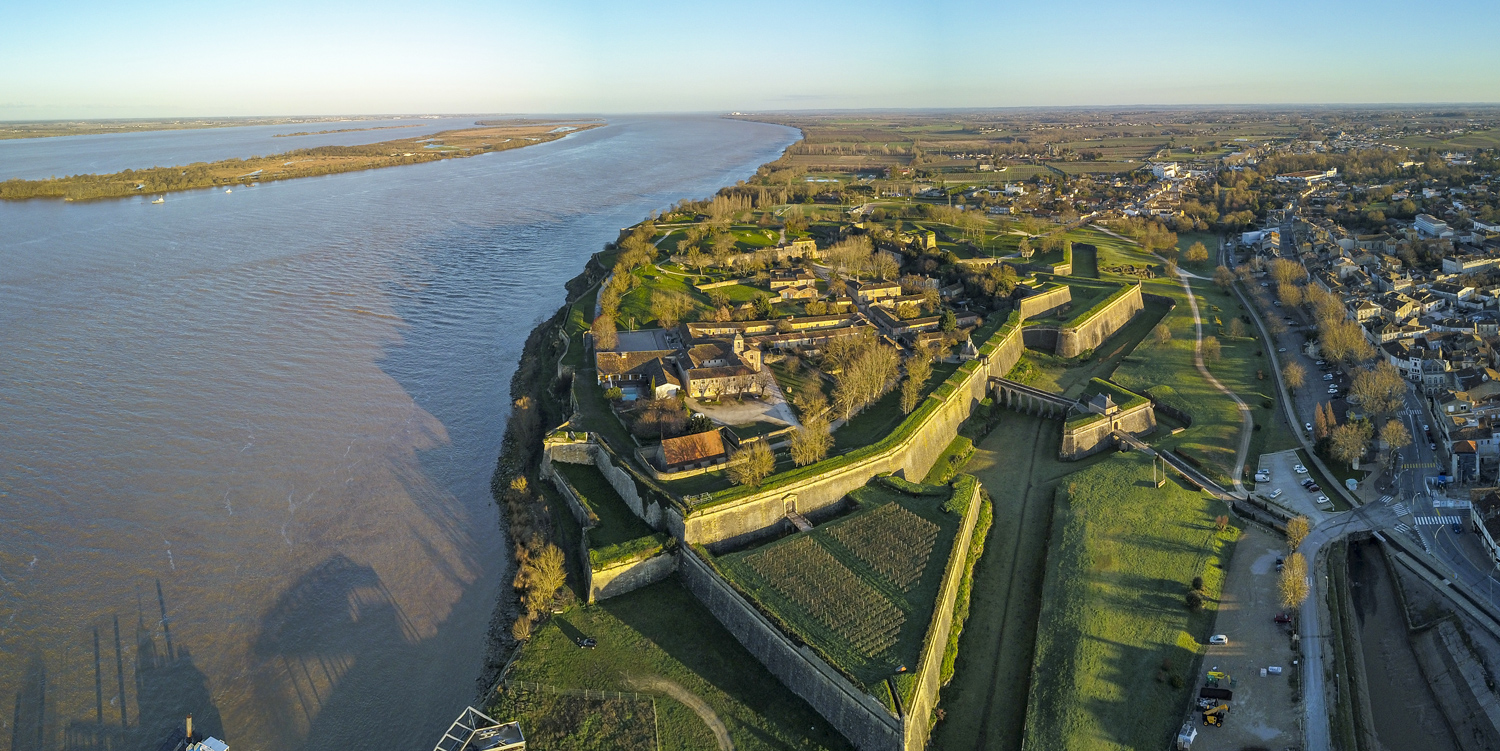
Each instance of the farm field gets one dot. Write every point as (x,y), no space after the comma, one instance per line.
(860,589)
(1117,650)
(662,632)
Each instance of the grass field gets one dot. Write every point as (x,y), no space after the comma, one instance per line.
(577,723)
(985,703)
(1117,649)
(860,589)
(661,631)
(1166,371)
(617,523)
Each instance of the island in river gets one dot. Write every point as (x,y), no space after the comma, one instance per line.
(320,160)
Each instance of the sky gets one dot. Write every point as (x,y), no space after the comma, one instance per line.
(66,59)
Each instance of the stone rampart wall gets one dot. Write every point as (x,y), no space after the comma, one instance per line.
(854,713)
(1086,440)
(1044,302)
(760,514)
(1040,338)
(929,669)
(627,577)
(1073,340)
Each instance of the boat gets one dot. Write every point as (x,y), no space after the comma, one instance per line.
(160,199)
(229,190)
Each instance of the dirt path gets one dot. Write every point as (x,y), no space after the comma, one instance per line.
(1247,422)
(691,700)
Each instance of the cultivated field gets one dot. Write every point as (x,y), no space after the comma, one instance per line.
(859,589)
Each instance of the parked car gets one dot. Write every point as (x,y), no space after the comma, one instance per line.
(1307,426)
(1283,618)
(1219,639)
(1322,499)
(1313,488)
(1275,494)
(1432,446)
(1307,482)
(1299,469)
(586,642)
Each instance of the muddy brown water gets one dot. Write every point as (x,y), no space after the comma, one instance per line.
(283,406)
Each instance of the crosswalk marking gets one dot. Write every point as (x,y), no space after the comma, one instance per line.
(1419,465)
(1402,528)
(1385,499)
(1400,509)
(1437,521)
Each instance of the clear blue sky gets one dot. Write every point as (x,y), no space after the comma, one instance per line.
(141,59)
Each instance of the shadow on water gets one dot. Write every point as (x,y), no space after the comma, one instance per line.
(168,687)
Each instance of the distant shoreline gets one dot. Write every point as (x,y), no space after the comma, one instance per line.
(340,130)
(289,165)
(15,130)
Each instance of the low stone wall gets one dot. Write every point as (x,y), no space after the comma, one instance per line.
(857,715)
(1086,440)
(626,577)
(737,522)
(1045,302)
(1075,338)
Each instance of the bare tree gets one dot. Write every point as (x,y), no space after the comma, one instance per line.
(1293,584)
(605,338)
(1381,390)
(1211,349)
(1162,333)
(810,443)
(751,464)
(1224,277)
(918,370)
(1294,375)
(1347,442)
(669,307)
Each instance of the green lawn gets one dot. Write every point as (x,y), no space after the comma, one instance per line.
(1113,630)
(596,414)
(1185,240)
(661,631)
(635,306)
(580,316)
(860,589)
(1166,371)
(617,523)
(985,703)
(1085,260)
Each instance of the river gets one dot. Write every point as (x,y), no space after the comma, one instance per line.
(272,416)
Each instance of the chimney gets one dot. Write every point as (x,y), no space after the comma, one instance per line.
(190,728)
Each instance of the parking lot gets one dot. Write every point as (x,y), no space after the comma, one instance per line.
(1261,714)
(1283,476)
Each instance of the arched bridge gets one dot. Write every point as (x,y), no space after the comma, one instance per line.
(1029,399)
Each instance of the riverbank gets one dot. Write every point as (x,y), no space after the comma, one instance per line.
(310,162)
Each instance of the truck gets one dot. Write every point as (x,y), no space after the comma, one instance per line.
(1221,694)
(1186,736)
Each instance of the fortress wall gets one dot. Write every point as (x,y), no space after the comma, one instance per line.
(1074,340)
(626,577)
(1094,437)
(761,514)
(929,670)
(854,713)
(1040,304)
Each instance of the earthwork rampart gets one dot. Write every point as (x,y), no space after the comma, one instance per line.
(1098,323)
